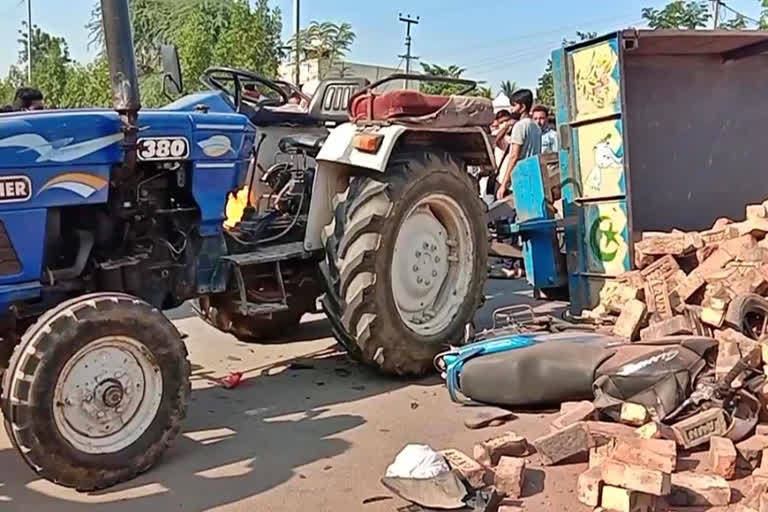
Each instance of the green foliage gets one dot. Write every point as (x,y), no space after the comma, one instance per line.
(764,16)
(483,92)
(230,33)
(545,88)
(737,23)
(508,87)
(441,88)
(679,14)
(327,42)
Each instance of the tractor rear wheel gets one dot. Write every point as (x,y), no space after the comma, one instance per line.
(219,311)
(250,329)
(406,258)
(96,390)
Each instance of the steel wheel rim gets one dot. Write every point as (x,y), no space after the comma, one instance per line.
(432,264)
(107,395)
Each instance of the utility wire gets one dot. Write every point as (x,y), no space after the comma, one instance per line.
(533,35)
(737,13)
(523,55)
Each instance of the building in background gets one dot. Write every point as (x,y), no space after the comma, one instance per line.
(310,72)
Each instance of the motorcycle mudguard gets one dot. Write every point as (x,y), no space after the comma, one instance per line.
(529,369)
(658,375)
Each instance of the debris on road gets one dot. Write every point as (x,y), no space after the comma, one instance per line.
(422,476)
(695,489)
(474,473)
(509,475)
(481,417)
(232,380)
(562,444)
(508,444)
(722,457)
(684,368)
(686,282)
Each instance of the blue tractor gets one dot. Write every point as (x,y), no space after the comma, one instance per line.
(108,217)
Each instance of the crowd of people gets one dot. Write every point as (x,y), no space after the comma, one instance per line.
(522,131)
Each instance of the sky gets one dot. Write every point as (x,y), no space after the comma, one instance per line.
(494,40)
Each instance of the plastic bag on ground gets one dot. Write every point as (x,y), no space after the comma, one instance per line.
(417,461)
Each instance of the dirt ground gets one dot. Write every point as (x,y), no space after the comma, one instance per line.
(307,430)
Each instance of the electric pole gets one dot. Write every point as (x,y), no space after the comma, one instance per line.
(29,42)
(716,15)
(408,57)
(296,30)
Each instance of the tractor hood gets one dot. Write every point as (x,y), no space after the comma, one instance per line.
(93,137)
(59,158)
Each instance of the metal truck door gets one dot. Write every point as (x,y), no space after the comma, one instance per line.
(589,116)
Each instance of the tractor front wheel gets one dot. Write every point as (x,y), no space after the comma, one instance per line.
(96,391)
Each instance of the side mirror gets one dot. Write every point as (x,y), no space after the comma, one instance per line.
(172,84)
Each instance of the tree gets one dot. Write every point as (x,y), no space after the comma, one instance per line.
(50,65)
(326,42)
(441,88)
(737,23)
(508,88)
(235,33)
(679,14)
(764,16)
(154,22)
(545,90)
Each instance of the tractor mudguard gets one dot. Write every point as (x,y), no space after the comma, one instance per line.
(526,369)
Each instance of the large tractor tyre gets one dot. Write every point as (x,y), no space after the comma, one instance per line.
(218,311)
(250,329)
(406,261)
(96,391)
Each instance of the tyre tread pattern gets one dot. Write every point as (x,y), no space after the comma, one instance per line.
(352,245)
(18,410)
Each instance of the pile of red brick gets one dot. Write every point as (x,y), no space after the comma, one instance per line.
(684,282)
(631,468)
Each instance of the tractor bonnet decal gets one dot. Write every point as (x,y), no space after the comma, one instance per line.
(60,150)
(80,183)
(216,146)
(14,189)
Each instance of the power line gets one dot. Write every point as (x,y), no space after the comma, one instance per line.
(737,13)
(533,35)
(532,51)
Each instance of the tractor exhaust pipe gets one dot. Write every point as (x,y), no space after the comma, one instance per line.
(116,18)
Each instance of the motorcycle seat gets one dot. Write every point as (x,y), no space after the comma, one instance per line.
(302,143)
(547,372)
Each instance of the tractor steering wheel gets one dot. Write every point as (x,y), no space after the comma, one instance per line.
(216,78)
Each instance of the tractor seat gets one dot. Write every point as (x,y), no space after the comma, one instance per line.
(425,109)
(393,104)
(302,143)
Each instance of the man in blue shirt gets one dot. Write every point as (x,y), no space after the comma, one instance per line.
(549,143)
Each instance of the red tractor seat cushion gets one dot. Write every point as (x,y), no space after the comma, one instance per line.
(394,104)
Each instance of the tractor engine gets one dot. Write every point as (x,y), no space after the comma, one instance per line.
(143,241)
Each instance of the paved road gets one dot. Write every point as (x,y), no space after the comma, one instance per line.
(314,436)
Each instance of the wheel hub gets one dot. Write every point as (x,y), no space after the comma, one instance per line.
(422,266)
(112,393)
(107,394)
(429,271)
